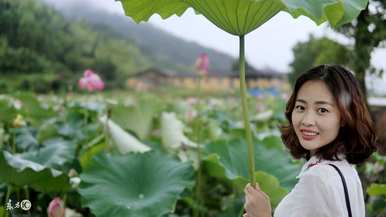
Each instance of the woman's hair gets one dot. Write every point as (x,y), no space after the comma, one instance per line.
(356,138)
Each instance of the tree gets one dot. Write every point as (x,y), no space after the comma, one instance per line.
(317,51)
(368,31)
(37,42)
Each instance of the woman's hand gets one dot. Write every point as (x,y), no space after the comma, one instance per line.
(257,203)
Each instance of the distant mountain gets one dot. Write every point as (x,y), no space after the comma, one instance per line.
(166,51)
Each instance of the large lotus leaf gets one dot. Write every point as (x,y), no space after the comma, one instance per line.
(336,12)
(77,131)
(16,170)
(55,153)
(146,185)
(227,159)
(136,118)
(142,10)
(25,138)
(72,129)
(77,124)
(47,129)
(237,17)
(240,17)
(271,149)
(268,183)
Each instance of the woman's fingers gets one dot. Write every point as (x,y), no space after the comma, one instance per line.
(250,187)
(255,200)
(246,191)
(266,195)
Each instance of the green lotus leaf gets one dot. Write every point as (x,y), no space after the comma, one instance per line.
(86,156)
(268,183)
(16,170)
(55,153)
(142,10)
(72,129)
(237,17)
(146,185)
(47,129)
(377,189)
(227,159)
(272,142)
(240,17)
(78,122)
(336,12)
(25,139)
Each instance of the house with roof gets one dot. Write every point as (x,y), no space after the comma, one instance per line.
(154,77)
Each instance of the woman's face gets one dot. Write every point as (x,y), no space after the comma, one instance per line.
(315,117)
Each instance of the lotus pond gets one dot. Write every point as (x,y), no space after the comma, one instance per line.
(145,155)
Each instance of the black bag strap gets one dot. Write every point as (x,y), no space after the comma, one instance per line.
(345,190)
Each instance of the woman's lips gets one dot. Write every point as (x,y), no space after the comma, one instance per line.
(309,135)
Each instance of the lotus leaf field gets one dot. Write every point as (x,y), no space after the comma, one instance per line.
(145,155)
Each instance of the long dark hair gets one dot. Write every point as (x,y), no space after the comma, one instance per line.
(356,138)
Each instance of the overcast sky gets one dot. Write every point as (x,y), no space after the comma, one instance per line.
(268,46)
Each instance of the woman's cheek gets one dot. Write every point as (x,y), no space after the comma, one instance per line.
(295,121)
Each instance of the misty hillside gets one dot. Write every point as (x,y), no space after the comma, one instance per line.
(162,48)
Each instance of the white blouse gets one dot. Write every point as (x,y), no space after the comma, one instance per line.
(319,192)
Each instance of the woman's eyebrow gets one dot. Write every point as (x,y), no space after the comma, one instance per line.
(301,100)
(317,102)
(324,103)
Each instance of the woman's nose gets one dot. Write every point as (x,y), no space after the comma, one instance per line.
(308,119)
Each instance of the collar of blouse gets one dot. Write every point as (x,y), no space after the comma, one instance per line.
(314,160)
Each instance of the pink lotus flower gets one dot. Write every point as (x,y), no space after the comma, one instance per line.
(56,208)
(91,81)
(202,64)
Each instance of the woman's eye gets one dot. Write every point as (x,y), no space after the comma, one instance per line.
(322,110)
(299,108)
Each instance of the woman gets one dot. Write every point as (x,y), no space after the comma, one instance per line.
(328,124)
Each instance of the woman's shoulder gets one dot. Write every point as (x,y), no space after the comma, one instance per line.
(319,174)
(313,195)
(319,191)
(328,175)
